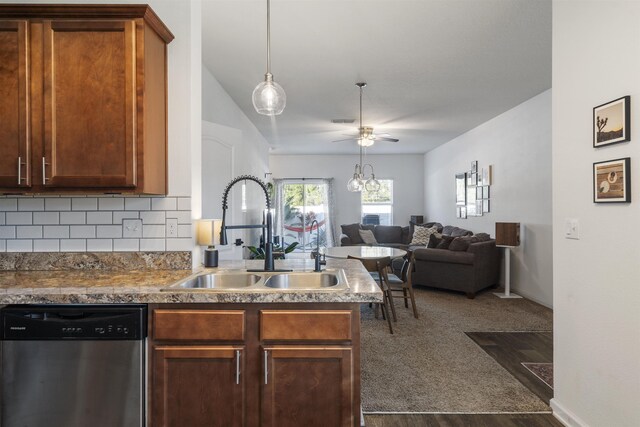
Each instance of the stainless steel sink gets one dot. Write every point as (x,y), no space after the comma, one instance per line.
(303,281)
(220,281)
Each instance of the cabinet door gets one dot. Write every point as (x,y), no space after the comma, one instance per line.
(198,386)
(89,104)
(14,105)
(307,386)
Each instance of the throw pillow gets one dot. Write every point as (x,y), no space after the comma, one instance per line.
(421,235)
(434,239)
(352,231)
(368,237)
(460,244)
(445,242)
(483,237)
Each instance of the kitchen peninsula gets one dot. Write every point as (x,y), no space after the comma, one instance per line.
(259,356)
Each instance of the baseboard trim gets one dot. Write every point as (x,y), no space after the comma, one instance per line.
(528,296)
(565,416)
(458,413)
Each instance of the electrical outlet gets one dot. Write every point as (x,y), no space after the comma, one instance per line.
(172,227)
(131,228)
(572,228)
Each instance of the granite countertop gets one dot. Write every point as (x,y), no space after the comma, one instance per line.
(146,286)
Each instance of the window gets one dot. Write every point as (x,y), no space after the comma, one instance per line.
(377,206)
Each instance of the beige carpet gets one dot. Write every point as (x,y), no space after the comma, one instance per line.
(430,365)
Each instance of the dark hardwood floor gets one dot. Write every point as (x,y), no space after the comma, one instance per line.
(510,349)
(462,420)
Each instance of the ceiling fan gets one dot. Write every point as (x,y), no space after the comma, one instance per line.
(365,136)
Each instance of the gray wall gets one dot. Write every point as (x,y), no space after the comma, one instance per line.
(518,146)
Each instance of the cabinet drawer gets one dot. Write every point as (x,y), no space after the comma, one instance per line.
(199,325)
(305,325)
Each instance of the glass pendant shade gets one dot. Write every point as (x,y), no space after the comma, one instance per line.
(372,184)
(365,142)
(354,185)
(268,97)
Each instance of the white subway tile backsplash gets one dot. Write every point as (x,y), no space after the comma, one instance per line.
(88,204)
(184,203)
(30,204)
(126,245)
(8,205)
(152,245)
(73,245)
(164,204)
(137,204)
(46,245)
(184,230)
(113,204)
(152,217)
(184,217)
(56,231)
(104,223)
(73,218)
(19,245)
(99,245)
(179,244)
(19,218)
(29,232)
(7,232)
(82,231)
(57,204)
(100,218)
(45,218)
(119,216)
(110,231)
(153,230)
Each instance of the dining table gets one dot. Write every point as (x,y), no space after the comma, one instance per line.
(364,252)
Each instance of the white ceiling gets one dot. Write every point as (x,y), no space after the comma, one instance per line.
(435,68)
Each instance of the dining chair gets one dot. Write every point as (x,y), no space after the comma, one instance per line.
(378,266)
(404,283)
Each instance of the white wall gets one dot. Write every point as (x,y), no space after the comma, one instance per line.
(183,18)
(232,139)
(518,146)
(596,58)
(406,170)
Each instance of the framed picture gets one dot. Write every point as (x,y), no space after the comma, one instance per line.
(612,181)
(471,201)
(461,189)
(458,212)
(612,122)
(479,207)
(478,193)
(485,192)
(486,175)
(463,212)
(474,166)
(485,206)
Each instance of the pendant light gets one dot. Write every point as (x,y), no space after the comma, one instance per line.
(268,97)
(359,181)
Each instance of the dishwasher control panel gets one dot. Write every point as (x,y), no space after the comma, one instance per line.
(79,322)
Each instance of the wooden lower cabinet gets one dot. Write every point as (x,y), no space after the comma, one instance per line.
(281,367)
(198,386)
(307,386)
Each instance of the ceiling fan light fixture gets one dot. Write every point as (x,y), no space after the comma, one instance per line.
(365,142)
(268,97)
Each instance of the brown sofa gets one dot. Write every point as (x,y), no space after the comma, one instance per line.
(468,271)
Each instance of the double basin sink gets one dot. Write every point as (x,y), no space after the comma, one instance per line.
(330,279)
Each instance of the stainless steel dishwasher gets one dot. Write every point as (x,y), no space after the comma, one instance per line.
(73,365)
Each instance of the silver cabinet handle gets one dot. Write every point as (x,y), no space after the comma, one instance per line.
(44,171)
(237,366)
(19,170)
(266,367)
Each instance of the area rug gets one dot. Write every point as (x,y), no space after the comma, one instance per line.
(544,371)
(430,365)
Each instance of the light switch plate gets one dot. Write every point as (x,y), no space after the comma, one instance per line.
(131,228)
(172,227)
(572,228)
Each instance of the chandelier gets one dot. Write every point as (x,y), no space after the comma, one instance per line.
(366,139)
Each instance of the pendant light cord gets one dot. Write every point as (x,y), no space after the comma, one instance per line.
(268,36)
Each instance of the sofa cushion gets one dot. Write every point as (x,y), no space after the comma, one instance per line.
(462,243)
(442,255)
(482,237)
(445,242)
(368,237)
(388,233)
(451,230)
(406,235)
(352,231)
(434,239)
(421,235)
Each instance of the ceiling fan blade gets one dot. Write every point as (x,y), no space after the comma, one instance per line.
(348,139)
(377,138)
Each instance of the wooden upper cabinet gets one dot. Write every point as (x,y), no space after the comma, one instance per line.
(98,99)
(89,104)
(14,104)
